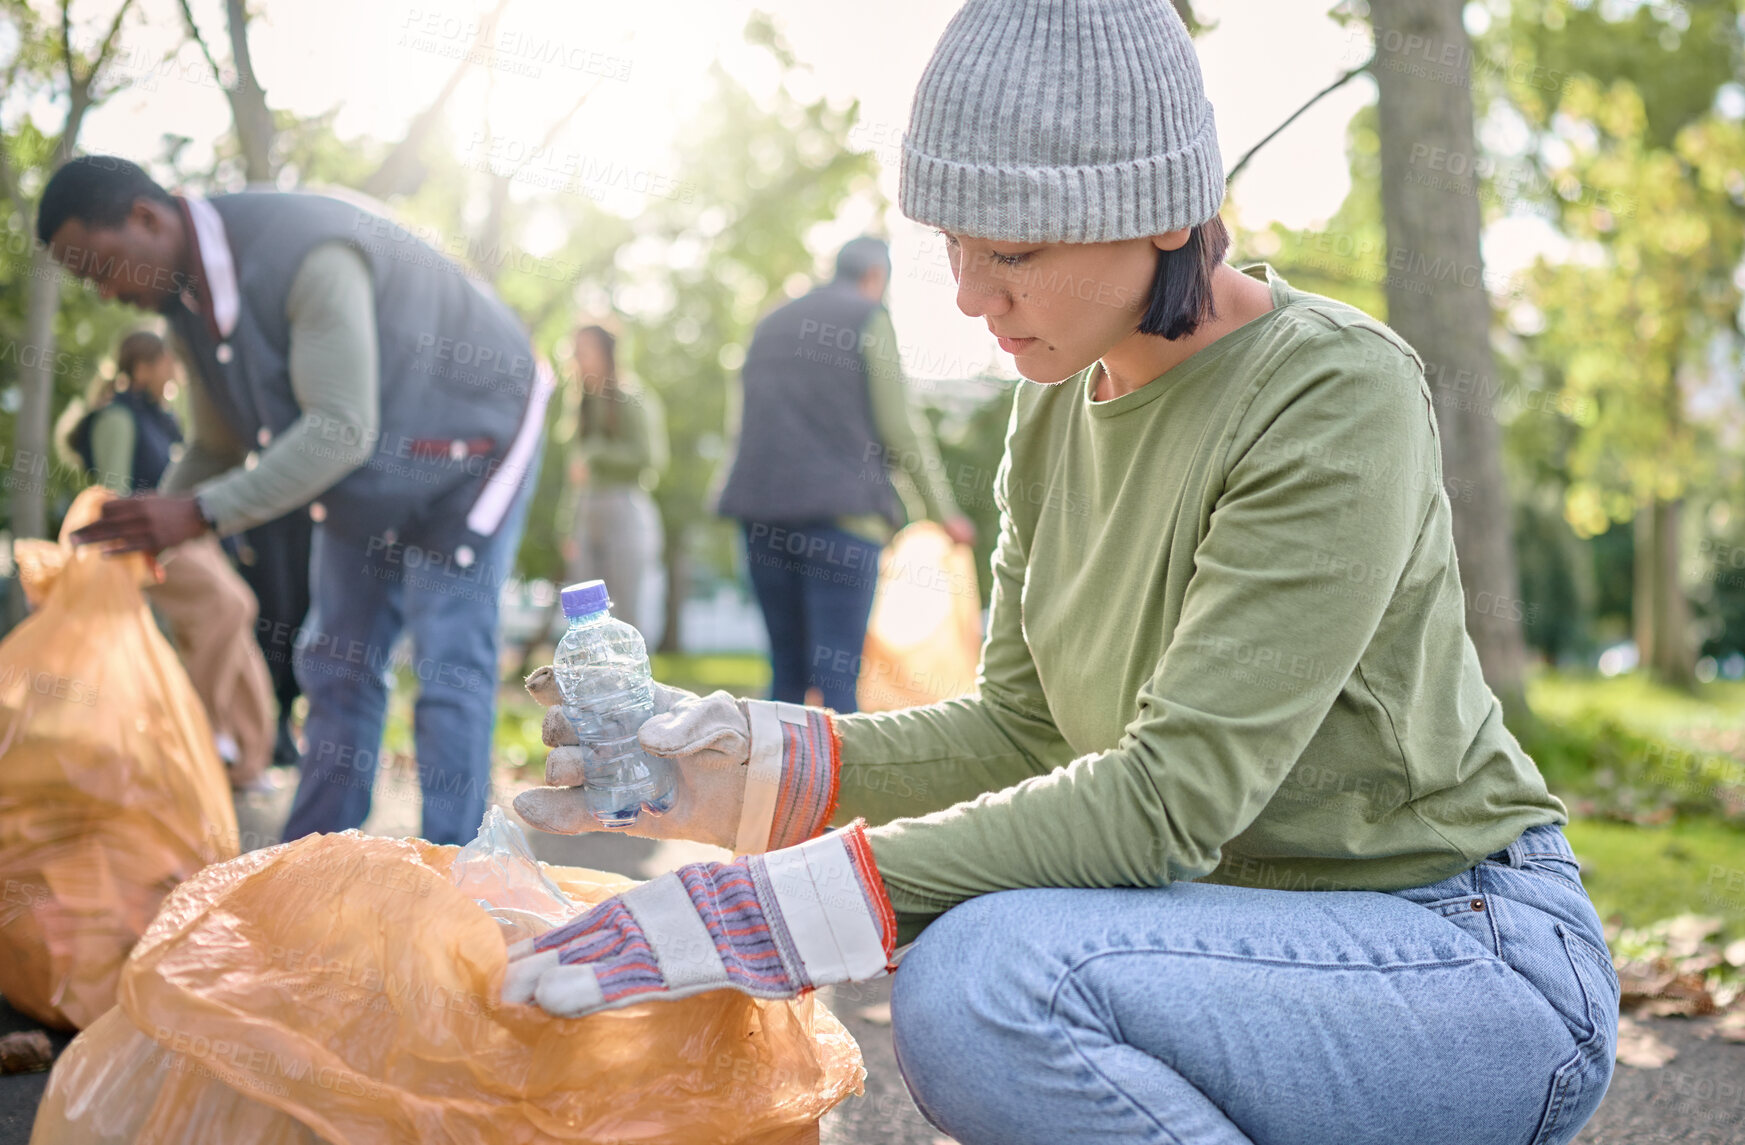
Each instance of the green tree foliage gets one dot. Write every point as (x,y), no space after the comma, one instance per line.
(1635,159)
(1347,258)
(1636,154)
(707,265)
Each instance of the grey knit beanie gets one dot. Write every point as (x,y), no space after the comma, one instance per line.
(1062,121)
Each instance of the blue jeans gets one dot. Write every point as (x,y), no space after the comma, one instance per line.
(814,583)
(1477,1010)
(362,595)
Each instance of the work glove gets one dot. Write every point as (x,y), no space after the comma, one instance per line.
(749,775)
(773,926)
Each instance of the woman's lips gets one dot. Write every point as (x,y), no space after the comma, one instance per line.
(1016,345)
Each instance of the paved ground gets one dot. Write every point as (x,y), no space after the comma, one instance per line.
(1698,1099)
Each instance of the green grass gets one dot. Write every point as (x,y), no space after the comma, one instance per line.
(1634,751)
(1649,709)
(740,674)
(1654,779)
(1639,875)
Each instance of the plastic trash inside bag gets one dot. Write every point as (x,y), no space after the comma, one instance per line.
(923,640)
(346,988)
(497,870)
(111,792)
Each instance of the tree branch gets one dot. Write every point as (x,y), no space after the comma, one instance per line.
(1314,99)
(194,34)
(67,40)
(79,87)
(401,160)
(555,128)
(108,40)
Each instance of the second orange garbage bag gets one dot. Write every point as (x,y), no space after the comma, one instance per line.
(110,790)
(344,987)
(923,642)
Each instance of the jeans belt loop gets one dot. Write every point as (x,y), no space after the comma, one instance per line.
(1517,852)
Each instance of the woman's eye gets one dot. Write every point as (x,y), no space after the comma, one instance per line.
(1009,259)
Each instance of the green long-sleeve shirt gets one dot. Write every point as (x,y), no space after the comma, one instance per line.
(112,440)
(1226,643)
(634,451)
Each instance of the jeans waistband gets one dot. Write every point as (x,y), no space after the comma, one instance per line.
(1544,841)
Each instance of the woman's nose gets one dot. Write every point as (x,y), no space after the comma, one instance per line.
(980,294)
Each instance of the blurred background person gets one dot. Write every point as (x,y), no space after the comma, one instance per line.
(273,558)
(824,420)
(127,440)
(614,530)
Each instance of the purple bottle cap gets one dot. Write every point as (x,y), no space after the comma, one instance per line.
(585,598)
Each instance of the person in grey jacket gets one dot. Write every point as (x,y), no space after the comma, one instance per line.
(342,368)
(825,419)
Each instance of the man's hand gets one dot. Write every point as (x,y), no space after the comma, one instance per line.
(144,523)
(961,530)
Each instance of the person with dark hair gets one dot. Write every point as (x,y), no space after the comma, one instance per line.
(612,530)
(342,368)
(825,420)
(1231,845)
(127,434)
(126,440)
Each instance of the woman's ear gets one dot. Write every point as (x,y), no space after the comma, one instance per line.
(1172,240)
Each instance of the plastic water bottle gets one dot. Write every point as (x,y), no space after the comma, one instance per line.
(602,672)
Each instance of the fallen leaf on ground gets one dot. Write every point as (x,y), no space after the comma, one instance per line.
(1637,1046)
(1730,1026)
(1686,933)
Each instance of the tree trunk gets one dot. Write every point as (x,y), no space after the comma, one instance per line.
(248,103)
(36,378)
(1642,578)
(1662,615)
(673,550)
(36,397)
(488,257)
(1436,300)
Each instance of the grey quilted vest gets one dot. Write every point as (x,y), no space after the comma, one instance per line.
(808,447)
(456,367)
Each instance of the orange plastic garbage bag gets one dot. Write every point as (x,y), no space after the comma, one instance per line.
(923,640)
(110,790)
(346,985)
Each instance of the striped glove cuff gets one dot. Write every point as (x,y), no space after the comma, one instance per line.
(793,776)
(773,926)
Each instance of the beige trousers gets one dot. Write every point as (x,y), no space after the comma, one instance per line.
(618,539)
(211,613)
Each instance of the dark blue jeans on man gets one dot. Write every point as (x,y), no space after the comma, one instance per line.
(814,583)
(364,595)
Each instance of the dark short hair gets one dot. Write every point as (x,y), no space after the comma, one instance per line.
(98,190)
(1181,289)
(860,255)
(136,349)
